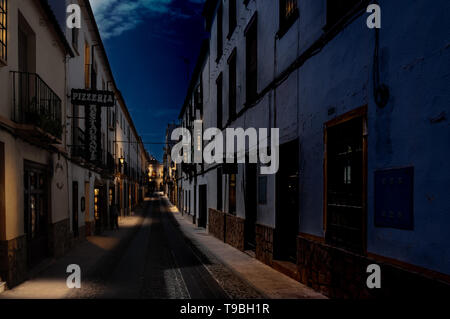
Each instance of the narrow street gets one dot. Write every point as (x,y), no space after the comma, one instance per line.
(159,254)
(158,263)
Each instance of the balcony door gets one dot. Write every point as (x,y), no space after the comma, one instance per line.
(23,51)
(23,83)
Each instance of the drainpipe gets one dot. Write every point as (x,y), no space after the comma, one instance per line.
(275,64)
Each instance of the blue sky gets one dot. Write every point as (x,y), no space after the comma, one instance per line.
(148,43)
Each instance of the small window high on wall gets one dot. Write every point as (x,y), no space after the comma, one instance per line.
(232,17)
(251,35)
(232,194)
(219,33)
(232,88)
(288,15)
(219,84)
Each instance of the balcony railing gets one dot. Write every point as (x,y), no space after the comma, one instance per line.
(35,103)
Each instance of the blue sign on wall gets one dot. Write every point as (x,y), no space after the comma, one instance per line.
(394,198)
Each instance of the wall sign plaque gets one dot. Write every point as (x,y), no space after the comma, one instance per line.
(394,198)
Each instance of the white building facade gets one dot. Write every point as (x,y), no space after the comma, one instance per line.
(53,190)
(350,190)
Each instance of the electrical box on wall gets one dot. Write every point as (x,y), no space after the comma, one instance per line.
(394,198)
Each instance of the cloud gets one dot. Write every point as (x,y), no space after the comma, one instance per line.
(115,17)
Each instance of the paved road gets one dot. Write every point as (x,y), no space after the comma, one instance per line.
(157,263)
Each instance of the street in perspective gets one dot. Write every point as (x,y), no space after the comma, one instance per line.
(221,158)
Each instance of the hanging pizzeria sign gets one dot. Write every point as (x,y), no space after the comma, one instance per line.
(99,98)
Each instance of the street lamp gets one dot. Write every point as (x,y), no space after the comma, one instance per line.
(122,160)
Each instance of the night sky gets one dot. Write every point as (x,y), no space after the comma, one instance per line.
(151,45)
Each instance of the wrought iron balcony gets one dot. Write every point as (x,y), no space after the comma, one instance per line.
(35,103)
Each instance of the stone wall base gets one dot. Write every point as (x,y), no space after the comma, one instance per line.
(227,228)
(341,274)
(13,261)
(234,231)
(13,253)
(216,223)
(89,228)
(60,238)
(334,272)
(264,244)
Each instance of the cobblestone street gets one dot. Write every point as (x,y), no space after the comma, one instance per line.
(151,259)
(159,263)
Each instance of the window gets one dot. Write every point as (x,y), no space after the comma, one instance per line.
(338,9)
(198,99)
(232,194)
(262,190)
(3,30)
(96,204)
(219,33)
(232,86)
(87,66)
(345,180)
(232,19)
(288,15)
(93,74)
(75,33)
(113,119)
(219,101)
(219,189)
(251,61)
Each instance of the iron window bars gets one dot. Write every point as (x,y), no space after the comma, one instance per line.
(3,30)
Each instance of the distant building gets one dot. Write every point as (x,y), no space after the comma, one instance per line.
(362,115)
(156,176)
(170,169)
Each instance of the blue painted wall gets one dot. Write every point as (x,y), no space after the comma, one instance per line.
(412,130)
